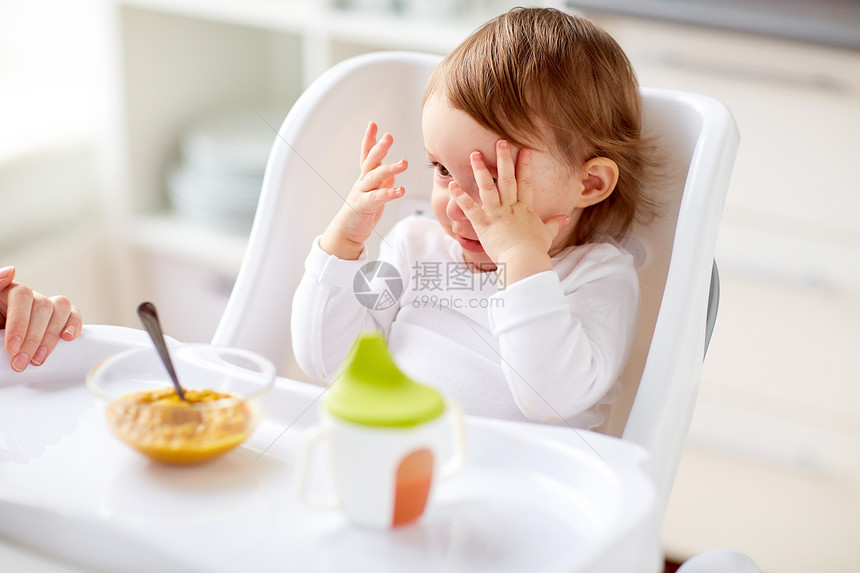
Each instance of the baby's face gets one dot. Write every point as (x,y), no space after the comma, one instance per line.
(450,136)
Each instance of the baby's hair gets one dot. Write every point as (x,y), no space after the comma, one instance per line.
(542,76)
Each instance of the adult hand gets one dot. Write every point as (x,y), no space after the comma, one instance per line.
(34,323)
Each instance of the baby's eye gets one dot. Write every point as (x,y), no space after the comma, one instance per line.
(440,169)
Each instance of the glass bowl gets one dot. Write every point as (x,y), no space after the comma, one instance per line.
(223,386)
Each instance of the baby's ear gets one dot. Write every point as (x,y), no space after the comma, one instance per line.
(598,177)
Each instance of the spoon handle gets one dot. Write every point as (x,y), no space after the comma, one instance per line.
(149,318)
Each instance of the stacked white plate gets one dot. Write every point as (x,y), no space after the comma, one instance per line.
(218,179)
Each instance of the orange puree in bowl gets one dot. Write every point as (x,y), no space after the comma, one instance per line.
(165,428)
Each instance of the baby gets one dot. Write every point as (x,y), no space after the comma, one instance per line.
(34,323)
(517,301)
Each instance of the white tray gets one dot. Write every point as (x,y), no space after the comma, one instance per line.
(531,498)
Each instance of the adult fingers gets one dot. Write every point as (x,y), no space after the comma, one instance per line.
(7,275)
(19,303)
(74,325)
(57,325)
(507,180)
(487,189)
(41,310)
(40,319)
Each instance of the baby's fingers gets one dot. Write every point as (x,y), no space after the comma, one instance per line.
(370,201)
(473,211)
(507,176)
(525,191)
(555,224)
(486,184)
(368,142)
(376,154)
(383,175)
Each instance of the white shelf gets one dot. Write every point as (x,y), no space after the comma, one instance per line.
(284,15)
(180,60)
(309,17)
(167,234)
(275,48)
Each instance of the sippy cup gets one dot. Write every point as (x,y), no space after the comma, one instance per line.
(386,435)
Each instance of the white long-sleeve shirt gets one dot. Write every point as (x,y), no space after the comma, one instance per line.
(547,348)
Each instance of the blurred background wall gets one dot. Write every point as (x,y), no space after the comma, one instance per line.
(53,93)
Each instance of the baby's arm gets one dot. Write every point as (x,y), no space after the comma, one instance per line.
(563,344)
(352,226)
(34,323)
(326,316)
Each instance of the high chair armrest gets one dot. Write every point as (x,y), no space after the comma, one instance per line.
(96,342)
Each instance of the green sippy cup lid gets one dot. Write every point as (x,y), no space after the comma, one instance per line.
(370,389)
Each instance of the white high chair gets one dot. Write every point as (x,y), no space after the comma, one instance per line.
(314,163)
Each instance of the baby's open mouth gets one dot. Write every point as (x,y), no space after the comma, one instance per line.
(470,244)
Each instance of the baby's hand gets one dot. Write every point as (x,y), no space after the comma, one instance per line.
(506,223)
(353,224)
(34,323)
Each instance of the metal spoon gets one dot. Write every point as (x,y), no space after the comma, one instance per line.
(149,318)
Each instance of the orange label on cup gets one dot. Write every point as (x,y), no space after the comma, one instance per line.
(414,477)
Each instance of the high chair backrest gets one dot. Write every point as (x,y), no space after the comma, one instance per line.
(314,163)
(698,138)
